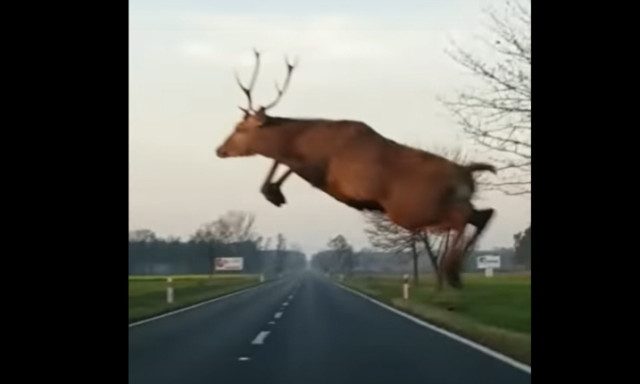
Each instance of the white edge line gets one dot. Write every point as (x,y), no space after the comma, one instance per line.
(200,304)
(481,348)
(278,315)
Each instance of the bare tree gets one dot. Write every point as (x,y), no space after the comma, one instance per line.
(281,247)
(389,237)
(266,244)
(385,235)
(232,227)
(429,242)
(523,247)
(497,114)
(342,254)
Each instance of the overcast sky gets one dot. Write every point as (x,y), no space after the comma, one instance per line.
(381,62)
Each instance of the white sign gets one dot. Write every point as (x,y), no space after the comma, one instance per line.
(488,262)
(229,263)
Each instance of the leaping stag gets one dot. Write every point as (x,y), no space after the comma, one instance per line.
(361,168)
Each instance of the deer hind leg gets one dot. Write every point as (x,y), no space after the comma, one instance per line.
(452,260)
(452,264)
(479,219)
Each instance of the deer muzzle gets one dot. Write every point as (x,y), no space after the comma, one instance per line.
(222,153)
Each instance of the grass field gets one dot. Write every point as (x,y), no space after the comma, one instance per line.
(495,311)
(148,294)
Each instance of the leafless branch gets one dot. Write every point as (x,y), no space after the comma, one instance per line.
(497,115)
(385,235)
(232,227)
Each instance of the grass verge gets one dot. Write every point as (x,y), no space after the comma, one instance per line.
(494,312)
(148,294)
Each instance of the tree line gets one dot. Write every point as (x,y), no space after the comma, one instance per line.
(230,235)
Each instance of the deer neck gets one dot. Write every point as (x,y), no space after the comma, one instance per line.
(278,142)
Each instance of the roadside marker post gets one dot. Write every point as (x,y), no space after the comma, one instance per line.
(169,290)
(405,288)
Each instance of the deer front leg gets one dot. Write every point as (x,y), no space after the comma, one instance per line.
(271,190)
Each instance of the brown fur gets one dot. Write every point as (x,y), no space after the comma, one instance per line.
(354,164)
(357,166)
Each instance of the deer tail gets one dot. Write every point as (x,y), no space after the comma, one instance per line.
(480,167)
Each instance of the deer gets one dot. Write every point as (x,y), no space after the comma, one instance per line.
(359,167)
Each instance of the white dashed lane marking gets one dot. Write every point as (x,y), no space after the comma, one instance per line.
(260,338)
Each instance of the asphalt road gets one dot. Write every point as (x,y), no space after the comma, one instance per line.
(303,330)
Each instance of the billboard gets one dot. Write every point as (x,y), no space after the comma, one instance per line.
(229,263)
(488,261)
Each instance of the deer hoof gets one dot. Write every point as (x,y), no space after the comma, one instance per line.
(274,195)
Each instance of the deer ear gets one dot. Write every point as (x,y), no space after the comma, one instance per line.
(261,115)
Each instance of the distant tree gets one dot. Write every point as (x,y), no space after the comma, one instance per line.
(296,247)
(496,113)
(523,247)
(266,244)
(281,247)
(230,229)
(173,239)
(385,235)
(322,261)
(342,255)
(142,235)
(145,238)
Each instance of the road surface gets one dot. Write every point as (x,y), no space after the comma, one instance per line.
(303,330)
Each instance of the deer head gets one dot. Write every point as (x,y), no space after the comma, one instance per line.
(242,141)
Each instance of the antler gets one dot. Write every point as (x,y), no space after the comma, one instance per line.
(290,68)
(247,91)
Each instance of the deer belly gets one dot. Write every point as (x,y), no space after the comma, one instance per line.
(414,206)
(334,189)
(315,174)
(351,182)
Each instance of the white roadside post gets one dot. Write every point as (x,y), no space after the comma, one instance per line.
(262,277)
(405,288)
(169,290)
